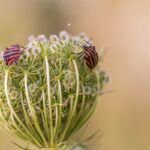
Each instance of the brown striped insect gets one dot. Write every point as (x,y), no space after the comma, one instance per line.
(90,55)
(11,54)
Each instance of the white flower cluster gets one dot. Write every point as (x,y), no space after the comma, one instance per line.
(54,41)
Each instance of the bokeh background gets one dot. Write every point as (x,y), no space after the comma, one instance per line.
(123,28)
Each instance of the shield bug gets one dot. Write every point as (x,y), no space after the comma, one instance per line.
(11,54)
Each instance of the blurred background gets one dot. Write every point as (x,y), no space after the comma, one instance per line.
(123,28)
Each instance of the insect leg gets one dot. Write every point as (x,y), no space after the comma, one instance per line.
(80,55)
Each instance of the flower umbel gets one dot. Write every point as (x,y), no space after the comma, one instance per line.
(50,93)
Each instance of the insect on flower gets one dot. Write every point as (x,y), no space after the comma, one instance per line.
(12,53)
(90,55)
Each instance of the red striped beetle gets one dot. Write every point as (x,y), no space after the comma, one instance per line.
(12,54)
(90,55)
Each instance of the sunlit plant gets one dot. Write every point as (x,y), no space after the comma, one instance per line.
(49,93)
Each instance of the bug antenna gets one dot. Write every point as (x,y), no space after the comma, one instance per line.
(89,42)
(21,46)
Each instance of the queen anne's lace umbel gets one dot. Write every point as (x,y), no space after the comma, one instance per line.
(49,94)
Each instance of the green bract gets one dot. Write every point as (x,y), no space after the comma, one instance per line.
(50,93)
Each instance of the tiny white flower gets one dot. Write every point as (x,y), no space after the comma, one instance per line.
(31,37)
(53,38)
(76,40)
(42,37)
(35,42)
(84,36)
(64,36)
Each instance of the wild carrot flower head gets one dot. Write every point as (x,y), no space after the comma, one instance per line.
(49,93)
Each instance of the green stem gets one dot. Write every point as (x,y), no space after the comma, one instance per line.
(45,117)
(49,100)
(59,114)
(28,122)
(13,112)
(73,109)
(31,108)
